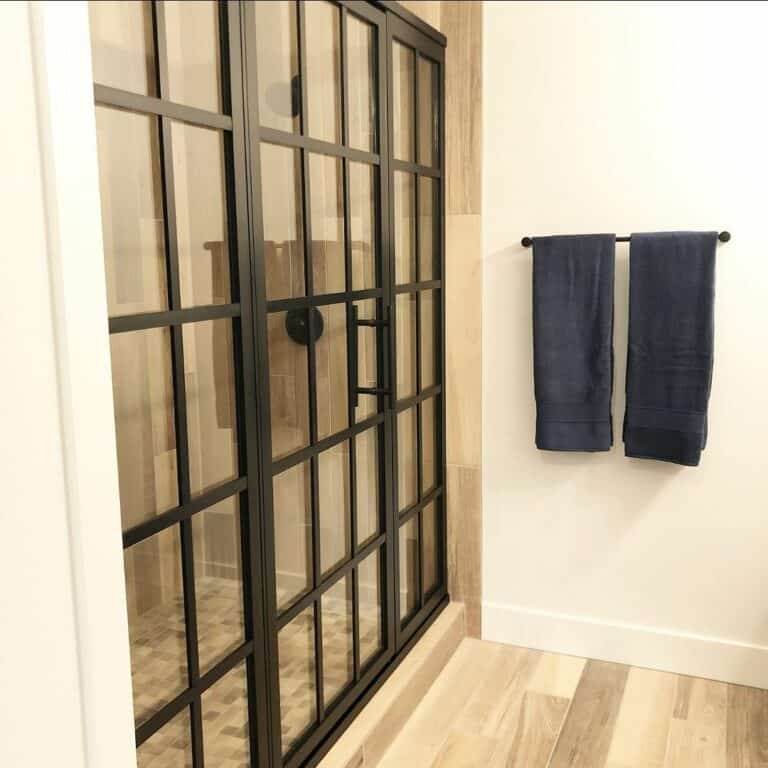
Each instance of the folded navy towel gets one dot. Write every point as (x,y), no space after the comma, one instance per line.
(573,341)
(671,330)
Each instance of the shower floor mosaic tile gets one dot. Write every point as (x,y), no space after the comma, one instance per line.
(158,655)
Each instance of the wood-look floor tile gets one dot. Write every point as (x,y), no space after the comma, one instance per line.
(699,741)
(642,725)
(494,706)
(682,695)
(465,750)
(586,736)
(557,675)
(539,722)
(747,741)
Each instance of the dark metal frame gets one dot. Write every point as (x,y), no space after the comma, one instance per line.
(401,29)
(248,312)
(230,123)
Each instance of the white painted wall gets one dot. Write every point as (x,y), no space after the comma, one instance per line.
(64,663)
(627,117)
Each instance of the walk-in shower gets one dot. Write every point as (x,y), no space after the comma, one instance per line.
(272,183)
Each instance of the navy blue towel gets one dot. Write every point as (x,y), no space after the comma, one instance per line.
(573,341)
(671,330)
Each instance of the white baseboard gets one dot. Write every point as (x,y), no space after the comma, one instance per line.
(641,646)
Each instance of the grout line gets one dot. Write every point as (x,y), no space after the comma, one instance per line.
(567,715)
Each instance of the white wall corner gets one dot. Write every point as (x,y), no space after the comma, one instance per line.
(64,91)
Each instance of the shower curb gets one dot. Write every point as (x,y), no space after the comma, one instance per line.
(366,740)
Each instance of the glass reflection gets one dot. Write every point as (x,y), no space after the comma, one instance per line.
(142,388)
(218,581)
(156,627)
(292,505)
(209,383)
(296,649)
(338,656)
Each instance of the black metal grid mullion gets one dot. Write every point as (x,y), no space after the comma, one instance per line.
(352,338)
(180,411)
(146,320)
(312,363)
(417,340)
(317,146)
(165,520)
(235,98)
(321,300)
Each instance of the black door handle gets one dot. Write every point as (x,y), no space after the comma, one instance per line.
(354,355)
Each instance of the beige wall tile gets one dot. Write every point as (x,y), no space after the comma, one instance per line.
(464,340)
(426,10)
(461,22)
(462,25)
(464,487)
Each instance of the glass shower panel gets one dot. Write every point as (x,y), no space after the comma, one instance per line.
(332,386)
(194,59)
(218,581)
(333,471)
(402,100)
(292,505)
(367,479)
(288,382)
(362,224)
(131,211)
(406,345)
(327,217)
(225,720)
(427,347)
(170,747)
(282,221)
(296,651)
(409,567)
(428,154)
(407,487)
(338,653)
(156,627)
(428,217)
(429,555)
(405,219)
(428,440)
(142,389)
(323,70)
(277,54)
(201,220)
(122,45)
(361,86)
(210,393)
(370,621)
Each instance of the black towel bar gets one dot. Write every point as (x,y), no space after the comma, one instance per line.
(723,237)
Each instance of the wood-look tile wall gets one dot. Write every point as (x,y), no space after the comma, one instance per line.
(461,23)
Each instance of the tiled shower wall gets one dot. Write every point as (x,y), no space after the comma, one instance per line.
(461,23)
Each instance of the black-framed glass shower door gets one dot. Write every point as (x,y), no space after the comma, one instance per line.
(317,71)
(416,216)
(173,197)
(274,282)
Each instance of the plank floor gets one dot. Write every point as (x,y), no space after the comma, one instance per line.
(497,706)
